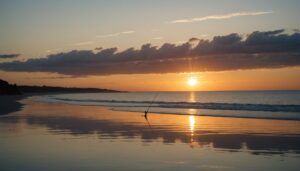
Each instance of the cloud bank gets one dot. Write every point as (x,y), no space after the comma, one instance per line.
(270,49)
(7,56)
(221,17)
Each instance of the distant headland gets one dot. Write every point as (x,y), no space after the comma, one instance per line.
(13,89)
(11,94)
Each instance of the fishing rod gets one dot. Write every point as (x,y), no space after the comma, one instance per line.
(146,111)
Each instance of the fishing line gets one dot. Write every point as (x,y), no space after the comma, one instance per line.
(152,102)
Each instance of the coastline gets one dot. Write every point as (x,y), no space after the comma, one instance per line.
(11,103)
(87,120)
(46,128)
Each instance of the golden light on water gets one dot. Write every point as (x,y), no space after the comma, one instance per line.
(192,97)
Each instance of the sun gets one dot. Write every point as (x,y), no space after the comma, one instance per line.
(192,81)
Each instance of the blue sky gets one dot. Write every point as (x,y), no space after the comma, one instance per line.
(35,28)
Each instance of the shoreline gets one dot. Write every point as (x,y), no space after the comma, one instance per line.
(205,115)
(68,117)
(11,103)
(93,129)
(116,108)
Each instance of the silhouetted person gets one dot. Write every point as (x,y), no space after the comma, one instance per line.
(146,112)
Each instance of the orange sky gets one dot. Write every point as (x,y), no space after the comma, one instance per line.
(262,79)
(33,31)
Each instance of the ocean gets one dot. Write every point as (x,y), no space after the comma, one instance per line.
(242,104)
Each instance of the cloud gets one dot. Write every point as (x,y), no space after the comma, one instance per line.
(84,43)
(51,77)
(296,30)
(193,39)
(268,49)
(157,38)
(53,50)
(221,17)
(127,32)
(180,42)
(98,48)
(115,34)
(6,56)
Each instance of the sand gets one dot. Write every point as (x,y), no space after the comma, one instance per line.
(10,103)
(72,137)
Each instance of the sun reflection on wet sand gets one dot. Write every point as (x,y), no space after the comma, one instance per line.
(218,132)
(192,126)
(192,123)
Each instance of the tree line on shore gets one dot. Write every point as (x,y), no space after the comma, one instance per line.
(13,89)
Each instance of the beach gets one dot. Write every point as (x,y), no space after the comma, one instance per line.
(57,136)
(10,103)
(194,85)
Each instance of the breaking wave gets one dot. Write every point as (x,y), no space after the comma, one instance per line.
(187,105)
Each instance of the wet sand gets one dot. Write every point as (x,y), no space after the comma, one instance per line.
(10,103)
(76,119)
(97,138)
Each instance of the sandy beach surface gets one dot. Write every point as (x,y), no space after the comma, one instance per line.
(52,136)
(10,103)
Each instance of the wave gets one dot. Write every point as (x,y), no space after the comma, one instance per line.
(189,105)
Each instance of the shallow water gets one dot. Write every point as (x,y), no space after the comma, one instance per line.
(51,136)
(244,104)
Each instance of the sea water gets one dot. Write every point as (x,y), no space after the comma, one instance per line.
(245,104)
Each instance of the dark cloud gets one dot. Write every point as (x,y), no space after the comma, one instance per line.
(271,49)
(296,30)
(193,39)
(98,48)
(9,55)
(53,77)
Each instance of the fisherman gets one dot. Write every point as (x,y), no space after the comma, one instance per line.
(146,112)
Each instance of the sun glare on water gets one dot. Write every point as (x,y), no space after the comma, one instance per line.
(192,81)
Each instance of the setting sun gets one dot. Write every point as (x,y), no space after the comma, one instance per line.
(192,81)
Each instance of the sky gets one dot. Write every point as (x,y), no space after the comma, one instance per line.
(140,45)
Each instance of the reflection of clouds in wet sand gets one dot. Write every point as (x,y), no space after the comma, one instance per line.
(214,132)
(111,129)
